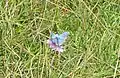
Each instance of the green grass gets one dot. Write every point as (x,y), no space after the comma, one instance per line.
(91,50)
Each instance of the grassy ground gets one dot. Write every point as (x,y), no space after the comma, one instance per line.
(91,50)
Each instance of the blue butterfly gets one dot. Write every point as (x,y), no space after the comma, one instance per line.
(58,39)
(55,42)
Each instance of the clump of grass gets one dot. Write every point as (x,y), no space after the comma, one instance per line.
(91,50)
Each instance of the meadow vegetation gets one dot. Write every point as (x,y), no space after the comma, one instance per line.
(92,49)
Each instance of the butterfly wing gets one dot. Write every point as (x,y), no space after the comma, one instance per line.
(54,38)
(62,37)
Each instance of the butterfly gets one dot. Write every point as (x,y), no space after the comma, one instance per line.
(55,42)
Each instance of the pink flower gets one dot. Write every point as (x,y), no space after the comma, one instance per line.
(55,47)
